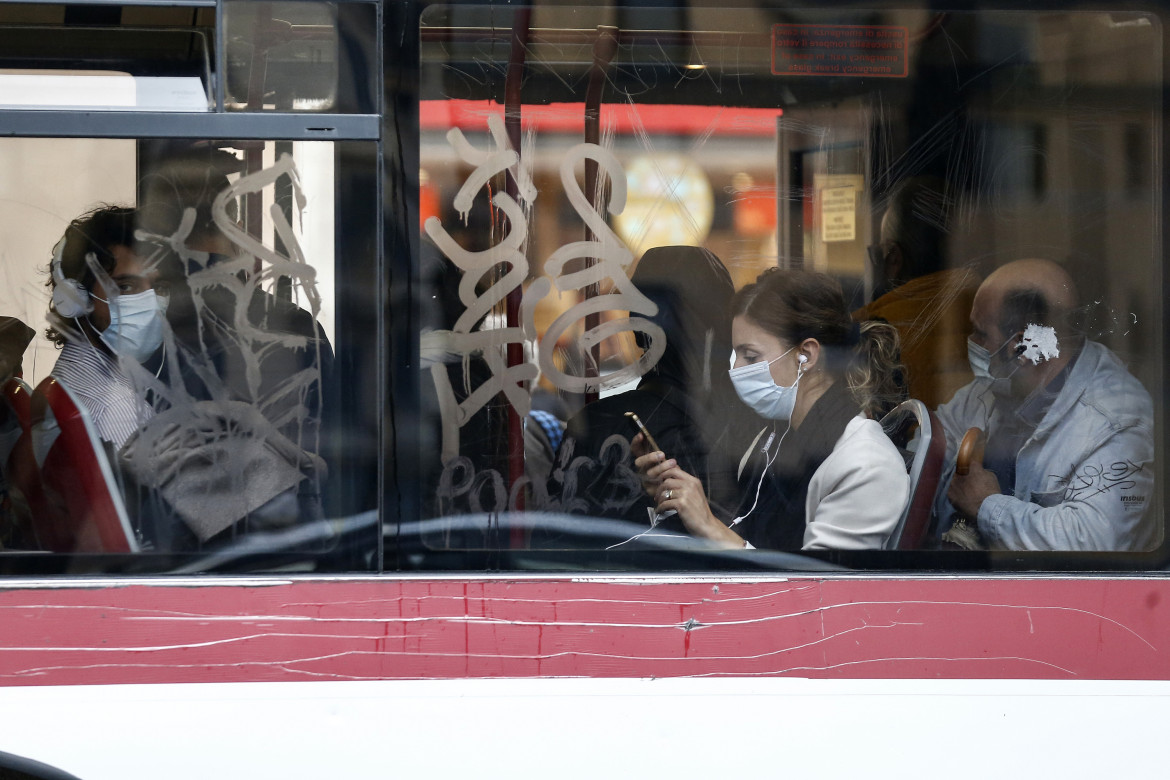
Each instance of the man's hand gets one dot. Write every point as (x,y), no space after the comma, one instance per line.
(967,492)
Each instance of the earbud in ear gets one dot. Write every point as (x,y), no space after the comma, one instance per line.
(802,359)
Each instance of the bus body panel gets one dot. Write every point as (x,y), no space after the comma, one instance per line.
(191,631)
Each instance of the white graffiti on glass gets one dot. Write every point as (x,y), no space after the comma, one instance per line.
(573,486)
(613,259)
(1040,343)
(468,336)
(506,266)
(242,442)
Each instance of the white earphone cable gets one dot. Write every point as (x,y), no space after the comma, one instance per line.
(766,450)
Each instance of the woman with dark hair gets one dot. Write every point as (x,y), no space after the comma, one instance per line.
(685,400)
(821,474)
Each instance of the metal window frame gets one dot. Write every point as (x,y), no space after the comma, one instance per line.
(217,124)
(36,123)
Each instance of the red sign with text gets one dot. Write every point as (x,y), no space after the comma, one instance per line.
(839,50)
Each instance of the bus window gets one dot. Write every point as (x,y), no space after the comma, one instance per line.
(59,58)
(194,384)
(598,187)
(883,287)
(193,378)
(298,56)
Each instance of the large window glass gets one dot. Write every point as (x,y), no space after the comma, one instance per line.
(580,288)
(191,309)
(184,392)
(936,221)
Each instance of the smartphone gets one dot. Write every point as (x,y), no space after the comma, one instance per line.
(645,433)
(655,517)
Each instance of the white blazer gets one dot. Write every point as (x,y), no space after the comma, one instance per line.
(859,492)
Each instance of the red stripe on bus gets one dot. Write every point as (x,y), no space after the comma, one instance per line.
(392,630)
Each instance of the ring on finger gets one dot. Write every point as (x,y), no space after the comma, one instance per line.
(668,494)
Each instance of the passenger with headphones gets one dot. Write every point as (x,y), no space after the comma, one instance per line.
(107,311)
(821,474)
(1069,454)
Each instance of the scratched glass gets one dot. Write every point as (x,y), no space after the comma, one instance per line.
(568,153)
(435,347)
(203,424)
(299,56)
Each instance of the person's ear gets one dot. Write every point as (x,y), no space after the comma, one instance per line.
(808,355)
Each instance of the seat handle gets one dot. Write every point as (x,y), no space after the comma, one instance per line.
(970,450)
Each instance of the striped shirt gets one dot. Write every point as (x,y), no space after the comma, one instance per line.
(115,408)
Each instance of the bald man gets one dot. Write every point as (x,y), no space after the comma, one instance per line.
(1069,457)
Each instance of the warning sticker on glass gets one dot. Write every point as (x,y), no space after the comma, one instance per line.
(839,50)
(838,214)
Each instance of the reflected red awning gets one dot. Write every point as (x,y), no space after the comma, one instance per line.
(625,118)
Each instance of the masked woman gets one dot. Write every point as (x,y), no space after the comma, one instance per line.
(821,474)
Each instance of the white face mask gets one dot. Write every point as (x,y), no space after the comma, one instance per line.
(136,324)
(980,359)
(756,388)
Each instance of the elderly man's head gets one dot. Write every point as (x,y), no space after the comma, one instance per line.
(1020,316)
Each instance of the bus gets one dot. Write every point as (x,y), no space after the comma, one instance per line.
(390,252)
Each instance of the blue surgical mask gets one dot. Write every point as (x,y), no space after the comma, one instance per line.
(756,388)
(136,324)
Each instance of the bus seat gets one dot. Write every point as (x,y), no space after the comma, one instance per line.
(918,435)
(18,474)
(17,399)
(85,511)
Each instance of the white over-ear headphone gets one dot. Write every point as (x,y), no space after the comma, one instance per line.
(70,298)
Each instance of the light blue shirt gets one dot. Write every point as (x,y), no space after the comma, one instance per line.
(1084,478)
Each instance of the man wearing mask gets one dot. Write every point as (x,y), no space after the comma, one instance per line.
(105,312)
(265,350)
(252,365)
(1069,456)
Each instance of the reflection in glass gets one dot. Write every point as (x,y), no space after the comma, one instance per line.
(190,405)
(1027,128)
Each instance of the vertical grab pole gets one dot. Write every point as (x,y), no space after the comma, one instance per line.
(512,113)
(603,50)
